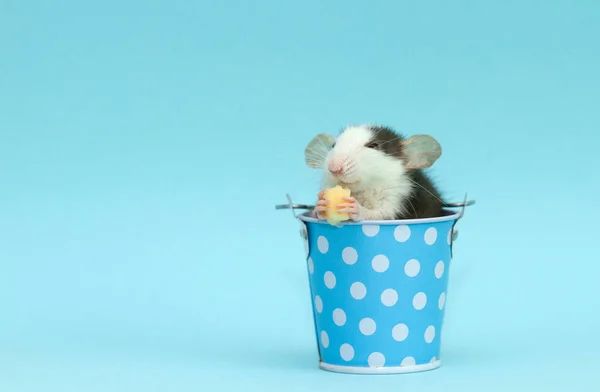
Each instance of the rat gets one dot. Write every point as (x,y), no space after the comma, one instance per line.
(383,170)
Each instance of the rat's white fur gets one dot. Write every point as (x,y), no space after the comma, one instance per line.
(377,181)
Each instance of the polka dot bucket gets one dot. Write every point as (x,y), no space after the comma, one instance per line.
(378,292)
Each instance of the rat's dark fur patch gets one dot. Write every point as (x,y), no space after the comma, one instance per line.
(425,200)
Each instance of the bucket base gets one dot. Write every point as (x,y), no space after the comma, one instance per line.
(380,370)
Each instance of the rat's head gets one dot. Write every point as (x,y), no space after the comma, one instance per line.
(366,154)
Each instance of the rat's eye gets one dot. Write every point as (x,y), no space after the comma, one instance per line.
(373,145)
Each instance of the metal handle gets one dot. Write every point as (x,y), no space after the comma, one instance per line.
(310,207)
(465,203)
(294,206)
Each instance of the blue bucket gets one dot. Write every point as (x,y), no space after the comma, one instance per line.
(379,291)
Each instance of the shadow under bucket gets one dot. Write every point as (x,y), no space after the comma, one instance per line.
(378,291)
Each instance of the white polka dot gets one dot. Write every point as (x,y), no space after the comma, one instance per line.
(329,279)
(358,290)
(442,301)
(376,360)
(449,239)
(430,334)
(318,304)
(346,352)
(367,326)
(324,339)
(400,332)
(439,269)
(402,233)
(311,266)
(380,263)
(412,268)
(408,361)
(419,301)
(389,297)
(370,230)
(339,317)
(430,236)
(349,255)
(322,244)
(433,360)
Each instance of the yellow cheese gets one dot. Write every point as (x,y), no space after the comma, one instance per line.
(335,196)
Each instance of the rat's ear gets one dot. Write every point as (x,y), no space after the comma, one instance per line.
(421,151)
(317,149)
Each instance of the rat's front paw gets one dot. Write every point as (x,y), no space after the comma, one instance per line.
(320,211)
(350,207)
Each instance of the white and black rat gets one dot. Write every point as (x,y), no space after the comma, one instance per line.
(382,169)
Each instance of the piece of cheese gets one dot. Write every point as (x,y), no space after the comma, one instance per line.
(335,196)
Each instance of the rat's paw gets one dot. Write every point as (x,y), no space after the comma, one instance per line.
(320,210)
(351,207)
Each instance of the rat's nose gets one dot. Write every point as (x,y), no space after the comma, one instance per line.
(336,167)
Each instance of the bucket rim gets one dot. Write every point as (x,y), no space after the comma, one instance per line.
(306,217)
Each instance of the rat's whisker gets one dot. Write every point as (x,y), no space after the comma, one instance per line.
(377,133)
(314,154)
(389,141)
(317,164)
(419,185)
(426,190)
(413,207)
(326,148)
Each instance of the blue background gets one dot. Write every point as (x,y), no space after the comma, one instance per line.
(144,144)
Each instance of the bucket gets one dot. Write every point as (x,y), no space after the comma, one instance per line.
(378,291)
